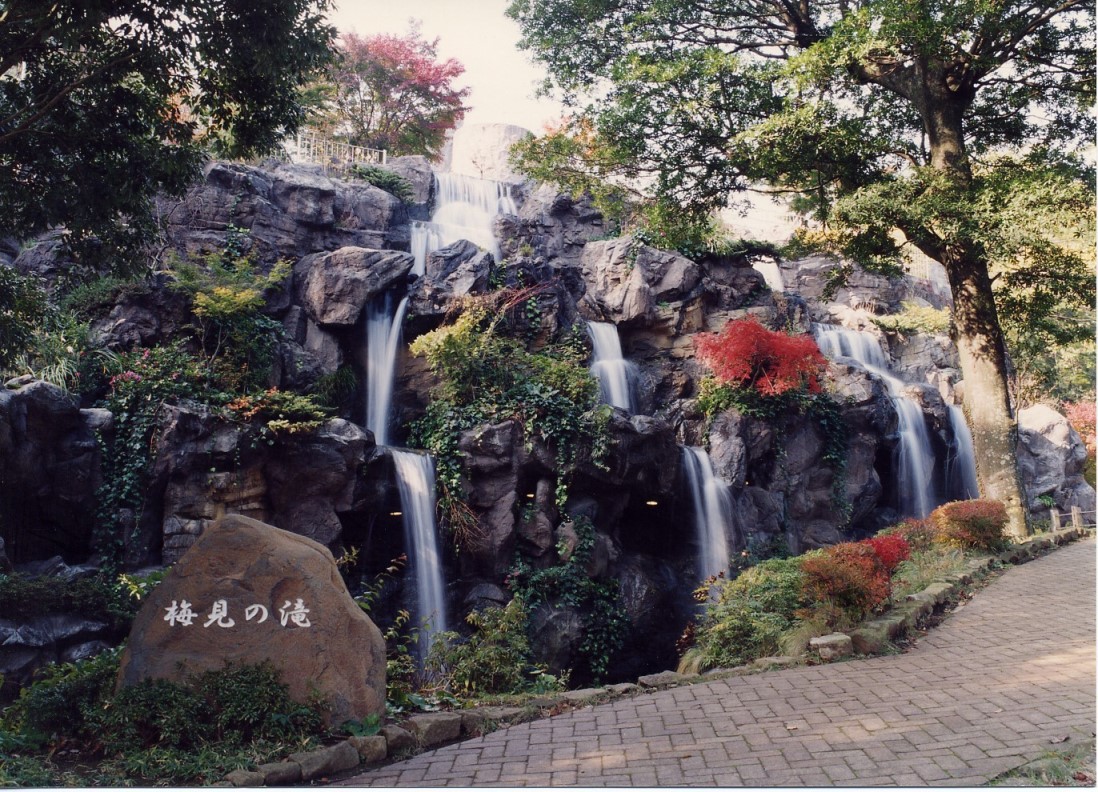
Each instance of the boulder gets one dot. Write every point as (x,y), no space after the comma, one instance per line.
(627,280)
(335,287)
(250,593)
(1051,456)
(551,226)
(417,170)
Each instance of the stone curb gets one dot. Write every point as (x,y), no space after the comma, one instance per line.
(433,729)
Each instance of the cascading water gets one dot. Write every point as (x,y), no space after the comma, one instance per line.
(464,209)
(712,502)
(961,468)
(915,454)
(614,373)
(771,274)
(415,472)
(383,326)
(416,481)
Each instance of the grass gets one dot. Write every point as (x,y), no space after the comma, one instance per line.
(1073,766)
(925,567)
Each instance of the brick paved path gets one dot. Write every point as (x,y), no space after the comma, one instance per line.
(987,690)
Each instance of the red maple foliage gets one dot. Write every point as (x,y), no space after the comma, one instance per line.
(971,524)
(890,550)
(391,92)
(1081,416)
(747,354)
(846,576)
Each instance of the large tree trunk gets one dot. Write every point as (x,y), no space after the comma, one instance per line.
(979,341)
(979,338)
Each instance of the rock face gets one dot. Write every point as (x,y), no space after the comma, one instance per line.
(336,286)
(1051,456)
(626,280)
(250,593)
(49,472)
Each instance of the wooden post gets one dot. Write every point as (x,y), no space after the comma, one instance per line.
(1076,517)
(1054,517)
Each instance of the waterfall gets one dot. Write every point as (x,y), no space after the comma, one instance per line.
(464,209)
(915,454)
(382,343)
(614,373)
(771,274)
(961,468)
(712,511)
(416,482)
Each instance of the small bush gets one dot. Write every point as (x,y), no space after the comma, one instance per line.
(846,576)
(920,534)
(393,183)
(890,550)
(494,659)
(747,354)
(749,615)
(100,598)
(971,524)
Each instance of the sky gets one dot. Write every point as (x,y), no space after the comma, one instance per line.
(476,32)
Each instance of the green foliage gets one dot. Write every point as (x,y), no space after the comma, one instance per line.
(93,298)
(915,319)
(227,297)
(390,181)
(495,658)
(127,93)
(487,377)
(99,598)
(334,391)
(156,730)
(746,617)
(567,583)
(276,413)
(23,308)
(140,382)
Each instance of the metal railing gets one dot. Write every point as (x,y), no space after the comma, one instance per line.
(315,149)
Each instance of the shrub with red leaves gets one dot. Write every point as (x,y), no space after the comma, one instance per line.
(1081,416)
(746,354)
(976,524)
(848,576)
(919,533)
(890,550)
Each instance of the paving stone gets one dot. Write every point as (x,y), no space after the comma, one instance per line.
(434,728)
(661,680)
(398,739)
(370,749)
(961,706)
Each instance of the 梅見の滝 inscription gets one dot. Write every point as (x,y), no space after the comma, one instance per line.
(182,613)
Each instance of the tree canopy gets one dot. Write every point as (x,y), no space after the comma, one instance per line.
(957,123)
(391,92)
(103,103)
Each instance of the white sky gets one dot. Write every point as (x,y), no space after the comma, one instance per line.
(477,33)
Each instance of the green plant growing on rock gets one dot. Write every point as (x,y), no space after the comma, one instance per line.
(227,298)
(487,377)
(385,179)
(567,582)
(916,319)
(140,382)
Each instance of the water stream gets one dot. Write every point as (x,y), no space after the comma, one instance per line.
(415,473)
(771,274)
(914,455)
(712,501)
(614,373)
(961,466)
(383,331)
(464,209)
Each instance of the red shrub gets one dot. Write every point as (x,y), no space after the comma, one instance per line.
(890,550)
(1081,416)
(745,353)
(847,576)
(919,533)
(974,524)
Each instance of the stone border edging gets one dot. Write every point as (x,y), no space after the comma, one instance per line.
(433,729)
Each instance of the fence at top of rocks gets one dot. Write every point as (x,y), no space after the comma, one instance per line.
(1077,521)
(313,148)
